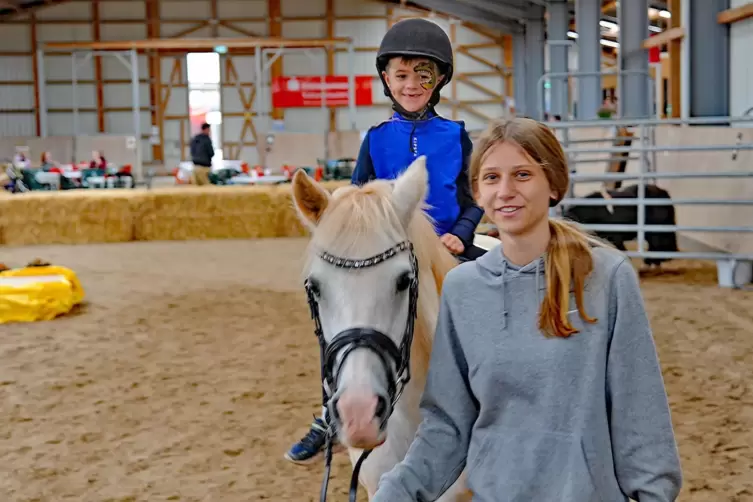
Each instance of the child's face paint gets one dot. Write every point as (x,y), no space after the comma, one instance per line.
(412,83)
(427,71)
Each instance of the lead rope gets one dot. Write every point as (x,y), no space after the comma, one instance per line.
(327,464)
(353,494)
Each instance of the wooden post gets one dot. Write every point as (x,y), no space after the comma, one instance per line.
(675,61)
(275,30)
(96,27)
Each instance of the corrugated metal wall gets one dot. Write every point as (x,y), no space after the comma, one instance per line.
(741,64)
(478,92)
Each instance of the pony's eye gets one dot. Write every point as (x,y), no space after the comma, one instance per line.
(313,286)
(403,282)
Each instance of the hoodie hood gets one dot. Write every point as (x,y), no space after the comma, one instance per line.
(496,270)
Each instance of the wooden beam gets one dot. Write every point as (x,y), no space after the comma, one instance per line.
(730,16)
(155,78)
(98,67)
(675,61)
(190,44)
(274,10)
(676,33)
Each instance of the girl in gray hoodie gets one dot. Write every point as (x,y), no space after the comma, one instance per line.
(544,379)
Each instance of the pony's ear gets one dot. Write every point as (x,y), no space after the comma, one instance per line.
(309,198)
(410,190)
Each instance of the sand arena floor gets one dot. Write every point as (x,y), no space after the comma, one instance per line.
(193,366)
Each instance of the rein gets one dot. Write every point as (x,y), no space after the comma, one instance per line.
(355,338)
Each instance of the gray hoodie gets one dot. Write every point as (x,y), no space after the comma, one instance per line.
(536,418)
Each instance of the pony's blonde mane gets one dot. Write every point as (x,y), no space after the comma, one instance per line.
(356,214)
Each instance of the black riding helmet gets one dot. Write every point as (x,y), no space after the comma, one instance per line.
(416,37)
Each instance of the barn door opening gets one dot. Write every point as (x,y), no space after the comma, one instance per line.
(205,96)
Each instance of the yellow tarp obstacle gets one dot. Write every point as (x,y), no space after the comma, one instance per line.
(38,293)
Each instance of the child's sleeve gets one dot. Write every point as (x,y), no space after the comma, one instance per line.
(470,213)
(364,170)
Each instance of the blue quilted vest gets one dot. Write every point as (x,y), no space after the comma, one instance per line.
(394,144)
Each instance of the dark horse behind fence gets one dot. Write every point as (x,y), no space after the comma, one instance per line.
(628,215)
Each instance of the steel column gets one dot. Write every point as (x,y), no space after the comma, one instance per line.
(587,17)
(535,51)
(136,97)
(709,59)
(557,26)
(634,88)
(42,94)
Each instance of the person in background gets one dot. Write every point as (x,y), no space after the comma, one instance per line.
(47,163)
(21,161)
(202,153)
(98,160)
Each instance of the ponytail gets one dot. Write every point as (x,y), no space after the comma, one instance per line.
(568,260)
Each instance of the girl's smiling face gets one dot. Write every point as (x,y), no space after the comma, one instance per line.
(412,81)
(513,190)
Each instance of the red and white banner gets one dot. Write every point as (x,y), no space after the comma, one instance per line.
(309,91)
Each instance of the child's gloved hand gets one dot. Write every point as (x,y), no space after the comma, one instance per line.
(453,243)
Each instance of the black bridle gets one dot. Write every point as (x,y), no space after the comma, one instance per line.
(355,338)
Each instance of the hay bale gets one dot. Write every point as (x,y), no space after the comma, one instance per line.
(208,212)
(70,217)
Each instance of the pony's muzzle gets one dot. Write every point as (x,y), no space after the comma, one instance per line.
(362,417)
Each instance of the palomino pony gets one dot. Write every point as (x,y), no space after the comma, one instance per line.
(375,265)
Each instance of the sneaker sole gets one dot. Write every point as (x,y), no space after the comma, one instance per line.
(335,449)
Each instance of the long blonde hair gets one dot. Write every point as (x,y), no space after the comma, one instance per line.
(568,260)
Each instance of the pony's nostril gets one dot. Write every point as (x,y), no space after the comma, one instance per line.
(381,407)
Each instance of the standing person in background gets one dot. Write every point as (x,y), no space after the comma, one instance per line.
(202,153)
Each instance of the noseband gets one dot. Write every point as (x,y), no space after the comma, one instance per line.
(351,339)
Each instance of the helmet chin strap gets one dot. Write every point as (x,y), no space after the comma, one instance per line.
(419,115)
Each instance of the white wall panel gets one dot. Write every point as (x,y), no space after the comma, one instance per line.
(741,65)
(359,8)
(124,31)
(365,33)
(298,63)
(185,9)
(365,117)
(239,9)
(171,30)
(244,68)
(120,10)
(73,32)
(15,68)
(61,96)
(60,124)
(17,124)
(304,29)
(292,8)
(465,35)
(114,69)
(17,97)
(68,10)
(16,37)
(122,123)
(121,95)
(60,67)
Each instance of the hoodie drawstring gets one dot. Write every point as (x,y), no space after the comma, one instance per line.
(504,293)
